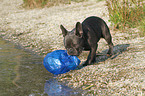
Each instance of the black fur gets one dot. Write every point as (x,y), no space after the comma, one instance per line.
(85,36)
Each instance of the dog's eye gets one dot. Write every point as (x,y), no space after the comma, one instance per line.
(72,44)
(75,45)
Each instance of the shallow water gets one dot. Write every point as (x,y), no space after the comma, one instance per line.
(21,72)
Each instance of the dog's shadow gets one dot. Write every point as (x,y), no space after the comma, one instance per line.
(102,56)
(117,50)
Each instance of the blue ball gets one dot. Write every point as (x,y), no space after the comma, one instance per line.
(59,62)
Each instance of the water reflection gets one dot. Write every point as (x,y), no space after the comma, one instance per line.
(54,88)
(23,74)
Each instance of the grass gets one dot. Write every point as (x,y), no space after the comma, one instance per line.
(48,3)
(127,13)
(142,27)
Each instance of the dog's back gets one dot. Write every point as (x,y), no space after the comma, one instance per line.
(95,26)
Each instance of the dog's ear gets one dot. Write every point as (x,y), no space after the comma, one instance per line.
(79,30)
(64,31)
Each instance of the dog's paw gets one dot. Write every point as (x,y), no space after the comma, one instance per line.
(109,55)
(86,63)
(80,67)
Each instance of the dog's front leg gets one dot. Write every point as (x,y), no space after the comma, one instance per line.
(92,55)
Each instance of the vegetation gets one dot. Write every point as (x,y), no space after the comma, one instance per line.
(127,13)
(123,13)
(48,3)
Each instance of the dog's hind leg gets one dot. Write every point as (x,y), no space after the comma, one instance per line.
(108,39)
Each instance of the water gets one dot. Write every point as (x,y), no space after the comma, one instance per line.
(21,72)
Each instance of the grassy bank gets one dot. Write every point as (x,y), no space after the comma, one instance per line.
(127,14)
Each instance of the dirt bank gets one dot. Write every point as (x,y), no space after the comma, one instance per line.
(38,30)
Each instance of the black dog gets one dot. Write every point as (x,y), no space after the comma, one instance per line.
(85,37)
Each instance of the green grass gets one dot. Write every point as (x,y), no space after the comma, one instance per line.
(127,13)
(142,27)
(48,3)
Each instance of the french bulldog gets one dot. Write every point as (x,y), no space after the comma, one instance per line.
(85,36)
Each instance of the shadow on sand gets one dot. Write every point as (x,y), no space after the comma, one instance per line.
(117,50)
(102,56)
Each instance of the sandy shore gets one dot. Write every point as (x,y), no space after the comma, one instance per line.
(38,30)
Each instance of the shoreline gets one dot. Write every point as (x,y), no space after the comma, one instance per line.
(38,30)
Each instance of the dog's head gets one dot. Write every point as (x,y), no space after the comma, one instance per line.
(73,40)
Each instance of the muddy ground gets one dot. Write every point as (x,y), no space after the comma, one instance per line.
(38,30)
